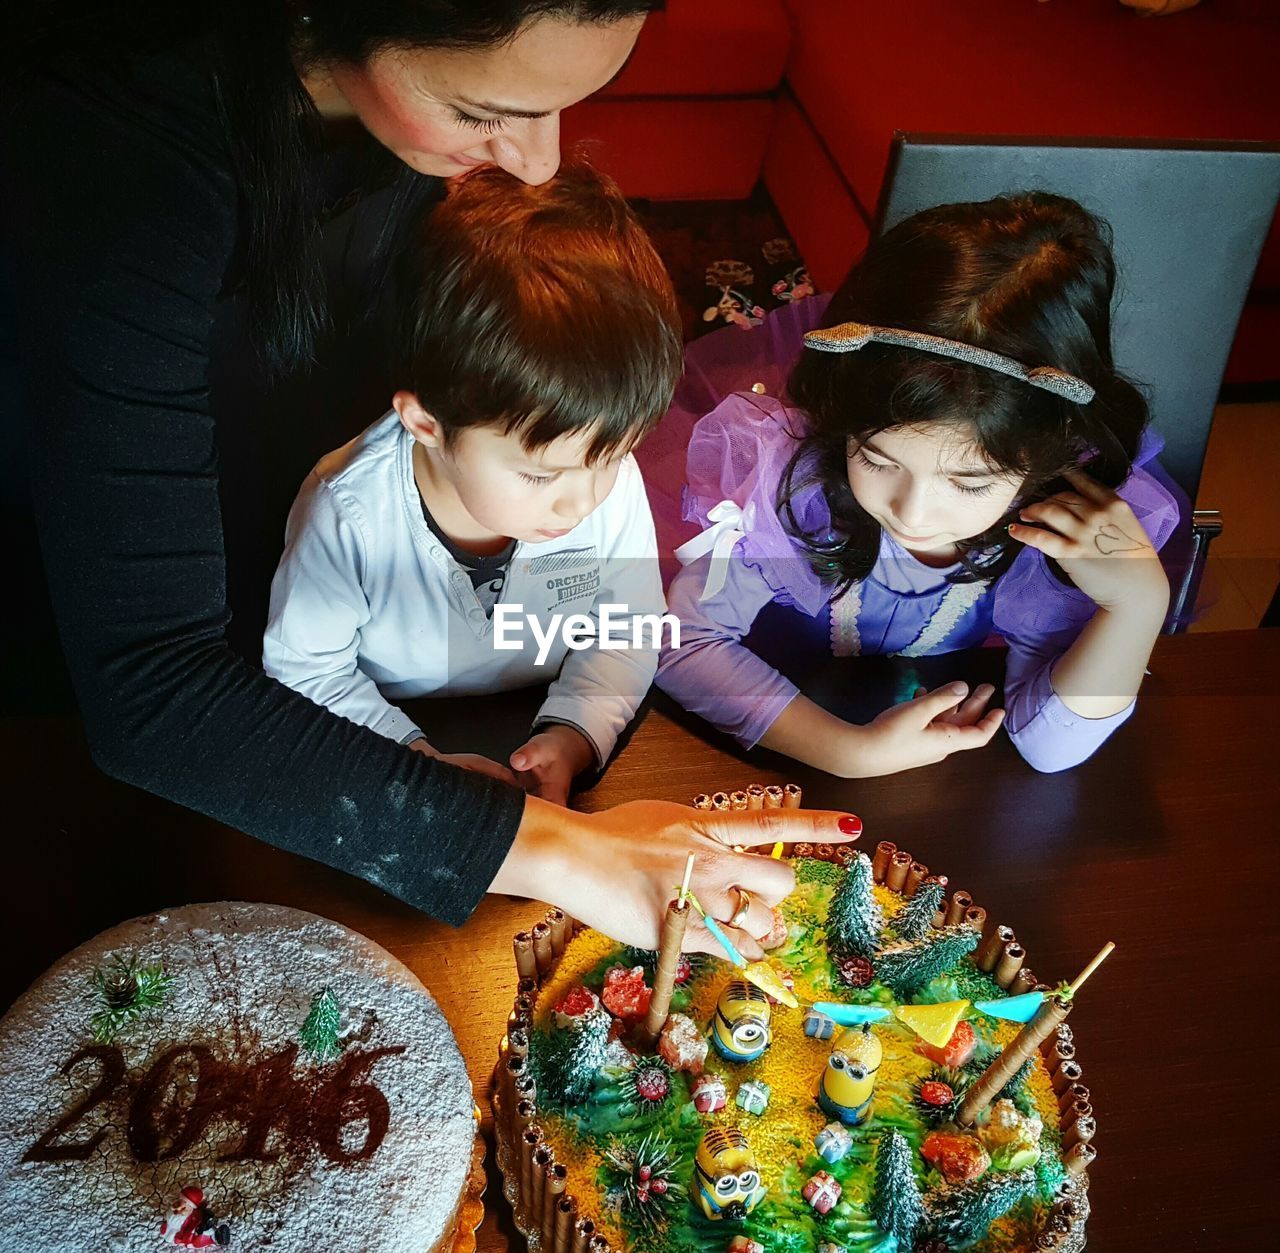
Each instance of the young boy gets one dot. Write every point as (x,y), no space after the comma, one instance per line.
(442,550)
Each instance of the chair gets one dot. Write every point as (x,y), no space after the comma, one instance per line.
(1189,221)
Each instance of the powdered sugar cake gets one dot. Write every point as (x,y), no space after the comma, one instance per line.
(293,1086)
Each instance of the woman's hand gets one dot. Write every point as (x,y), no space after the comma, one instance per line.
(1096,539)
(617,870)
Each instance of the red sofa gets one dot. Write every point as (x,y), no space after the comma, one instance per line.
(810,92)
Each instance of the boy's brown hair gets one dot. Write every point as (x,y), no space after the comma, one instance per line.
(541,311)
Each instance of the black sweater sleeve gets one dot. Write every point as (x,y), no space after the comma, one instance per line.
(120,221)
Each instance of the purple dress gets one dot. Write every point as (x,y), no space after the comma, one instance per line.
(742,561)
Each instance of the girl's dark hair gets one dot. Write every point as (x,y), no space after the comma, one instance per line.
(540,310)
(258,48)
(1030,276)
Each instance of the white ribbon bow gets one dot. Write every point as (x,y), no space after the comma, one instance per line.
(729,524)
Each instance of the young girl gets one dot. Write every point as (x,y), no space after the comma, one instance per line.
(959,458)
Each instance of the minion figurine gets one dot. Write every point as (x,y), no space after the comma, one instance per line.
(847,1084)
(740,1030)
(726,1181)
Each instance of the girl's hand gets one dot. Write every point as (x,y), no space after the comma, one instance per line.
(926,729)
(616,870)
(1093,535)
(547,763)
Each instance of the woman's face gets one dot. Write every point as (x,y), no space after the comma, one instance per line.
(445,111)
(929,487)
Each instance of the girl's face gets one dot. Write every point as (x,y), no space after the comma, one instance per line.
(445,111)
(929,487)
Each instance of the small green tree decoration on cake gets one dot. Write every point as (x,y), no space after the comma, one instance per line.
(567,1060)
(124,992)
(914,920)
(896,1204)
(965,1212)
(855,919)
(907,965)
(319,1033)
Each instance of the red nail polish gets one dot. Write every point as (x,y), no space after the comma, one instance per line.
(850,825)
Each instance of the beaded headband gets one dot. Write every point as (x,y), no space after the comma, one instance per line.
(850,336)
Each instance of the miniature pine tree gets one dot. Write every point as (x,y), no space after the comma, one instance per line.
(567,1061)
(913,920)
(908,965)
(895,1195)
(319,1033)
(966,1211)
(854,920)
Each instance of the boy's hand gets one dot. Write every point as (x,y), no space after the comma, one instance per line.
(548,762)
(1095,537)
(924,730)
(468,761)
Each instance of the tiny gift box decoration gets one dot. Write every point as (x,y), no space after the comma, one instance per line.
(709,1094)
(833,1142)
(744,1244)
(822,1192)
(753,1096)
(818,1025)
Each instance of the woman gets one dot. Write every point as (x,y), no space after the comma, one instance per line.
(167,167)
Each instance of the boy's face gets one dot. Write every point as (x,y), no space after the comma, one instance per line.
(485,485)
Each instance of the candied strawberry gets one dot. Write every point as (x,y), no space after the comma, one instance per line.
(934,1092)
(570,1007)
(625,994)
(955,1052)
(652,1084)
(961,1159)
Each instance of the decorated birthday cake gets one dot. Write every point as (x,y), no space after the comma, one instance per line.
(234,1076)
(892,1077)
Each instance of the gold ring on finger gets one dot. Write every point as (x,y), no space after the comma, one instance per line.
(744,906)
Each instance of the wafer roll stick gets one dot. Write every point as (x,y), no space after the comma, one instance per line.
(674,923)
(1048,1240)
(538,1171)
(1079,1159)
(755,796)
(561,930)
(523,1087)
(1071,1093)
(528,1143)
(557,1177)
(738,800)
(526,963)
(720,802)
(583,1231)
(511,1070)
(1024,981)
(522,1117)
(824,852)
(598,1245)
(916,875)
(1010,963)
(702,801)
(961,902)
(976,917)
(542,949)
(990,949)
(791,796)
(1080,1132)
(566,1214)
(880,862)
(1066,1076)
(802,849)
(1023,1045)
(773,797)
(895,877)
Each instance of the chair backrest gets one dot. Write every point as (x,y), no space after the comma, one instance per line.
(1189,221)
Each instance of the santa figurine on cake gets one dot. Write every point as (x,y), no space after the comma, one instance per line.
(192,1226)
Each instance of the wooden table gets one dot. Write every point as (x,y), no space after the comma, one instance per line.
(1165,842)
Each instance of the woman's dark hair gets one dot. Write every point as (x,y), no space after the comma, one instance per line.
(258,48)
(540,310)
(1030,276)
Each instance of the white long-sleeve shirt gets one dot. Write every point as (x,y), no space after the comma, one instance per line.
(367,606)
